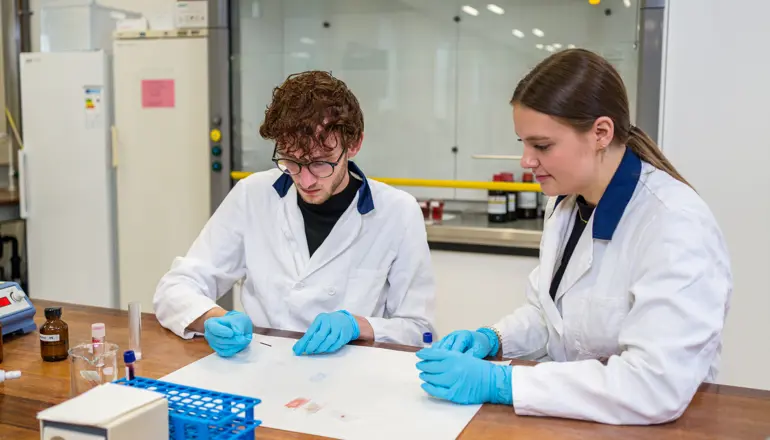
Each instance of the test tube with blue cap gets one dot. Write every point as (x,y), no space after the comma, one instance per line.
(427,339)
(129,357)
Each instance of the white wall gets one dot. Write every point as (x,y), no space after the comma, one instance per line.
(473,290)
(714,113)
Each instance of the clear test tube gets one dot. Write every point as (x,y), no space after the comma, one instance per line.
(135,328)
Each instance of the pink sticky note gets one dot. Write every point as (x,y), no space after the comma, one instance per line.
(157,93)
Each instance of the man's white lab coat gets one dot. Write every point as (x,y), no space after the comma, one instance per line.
(375,262)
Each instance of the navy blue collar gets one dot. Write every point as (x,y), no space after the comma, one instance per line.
(616,197)
(365,200)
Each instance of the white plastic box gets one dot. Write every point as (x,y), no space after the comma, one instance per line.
(107,412)
(74,25)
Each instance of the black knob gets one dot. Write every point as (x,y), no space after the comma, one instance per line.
(216,150)
(216,166)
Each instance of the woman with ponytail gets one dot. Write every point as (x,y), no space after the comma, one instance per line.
(626,309)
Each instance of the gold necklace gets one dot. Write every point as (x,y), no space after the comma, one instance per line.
(580,213)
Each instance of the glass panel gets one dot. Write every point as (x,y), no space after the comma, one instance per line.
(397,57)
(426,83)
(497,48)
(260,67)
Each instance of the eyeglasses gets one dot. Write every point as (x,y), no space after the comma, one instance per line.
(318,168)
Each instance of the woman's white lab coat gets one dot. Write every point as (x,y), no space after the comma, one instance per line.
(636,325)
(375,262)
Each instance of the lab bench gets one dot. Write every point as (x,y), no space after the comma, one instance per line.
(716,411)
(471,231)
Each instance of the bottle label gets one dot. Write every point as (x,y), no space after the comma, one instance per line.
(528,200)
(496,205)
(511,202)
(49,338)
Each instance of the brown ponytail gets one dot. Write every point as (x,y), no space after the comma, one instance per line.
(578,86)
(648,151)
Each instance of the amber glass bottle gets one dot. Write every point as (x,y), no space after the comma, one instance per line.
(54,336)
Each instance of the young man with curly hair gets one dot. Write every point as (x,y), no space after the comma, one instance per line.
(323,250)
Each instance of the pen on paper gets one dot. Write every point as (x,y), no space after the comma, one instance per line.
(265,344)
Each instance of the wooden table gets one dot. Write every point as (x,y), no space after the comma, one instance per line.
(716,411)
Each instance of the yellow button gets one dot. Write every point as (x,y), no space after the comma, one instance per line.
(216,135)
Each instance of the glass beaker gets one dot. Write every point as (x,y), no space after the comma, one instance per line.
(92,365)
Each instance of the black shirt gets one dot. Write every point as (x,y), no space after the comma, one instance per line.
(320,219)
(584,211)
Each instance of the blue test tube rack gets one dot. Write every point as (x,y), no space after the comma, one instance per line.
(200,414)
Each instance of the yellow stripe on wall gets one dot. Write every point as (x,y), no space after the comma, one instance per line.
(461,184)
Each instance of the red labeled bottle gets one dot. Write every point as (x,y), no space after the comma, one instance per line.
(511,216)
(526,207)
(497,203)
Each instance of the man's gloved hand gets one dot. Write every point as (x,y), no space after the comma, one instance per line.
(328,333)
(463,378)
(481,343)
(228,334)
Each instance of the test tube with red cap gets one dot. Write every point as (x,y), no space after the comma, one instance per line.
(98,335)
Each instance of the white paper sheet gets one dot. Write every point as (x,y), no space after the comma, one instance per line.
(358,392)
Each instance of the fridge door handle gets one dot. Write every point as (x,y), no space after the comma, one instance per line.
(23,206)
(114,142)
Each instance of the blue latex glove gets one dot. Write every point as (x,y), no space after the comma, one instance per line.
(481,343)
(328,333)
(228,334)
(462,378)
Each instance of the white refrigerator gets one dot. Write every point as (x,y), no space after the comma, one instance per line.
(162,153)
(67,181)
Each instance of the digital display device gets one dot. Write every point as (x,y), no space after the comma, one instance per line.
(16,310)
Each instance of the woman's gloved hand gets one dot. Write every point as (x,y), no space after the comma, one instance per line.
(228,334)
(463,378)
(481,343)
(328,333)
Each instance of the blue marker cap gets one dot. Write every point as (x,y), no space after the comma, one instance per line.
(427,338)
(129,357)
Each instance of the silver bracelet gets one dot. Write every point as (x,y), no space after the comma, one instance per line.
(499,339)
